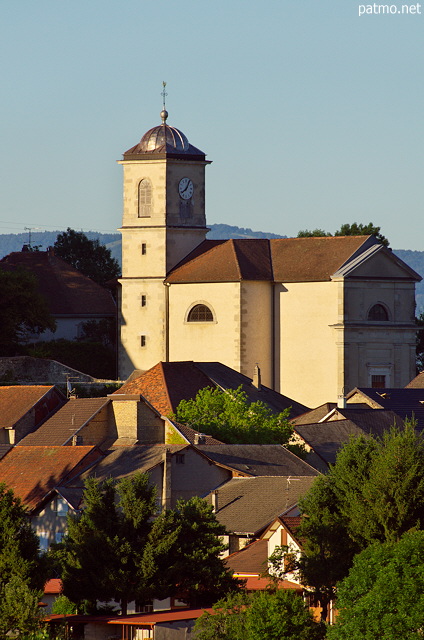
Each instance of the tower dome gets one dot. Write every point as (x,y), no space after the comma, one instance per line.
(164,139)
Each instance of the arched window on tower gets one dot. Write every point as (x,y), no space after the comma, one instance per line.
(200,313)
(144,199)
(378,313)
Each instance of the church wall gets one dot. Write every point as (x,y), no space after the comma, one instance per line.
(256,330)
(137,320)
(380,348)
(206,341)
(309,359)
(155,172)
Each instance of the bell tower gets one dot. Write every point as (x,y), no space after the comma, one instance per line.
(163,221)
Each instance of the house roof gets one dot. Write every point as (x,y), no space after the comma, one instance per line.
(17,400)
(249,505)
(191,435)
(314,415)
(417,382)
(374,421)
(251,559)
(53,586)
(327,438)
(167,383)
(4,448)
(407,403)
(67,291)
(156,617)
(32,472)
(257,459)
(65,423)
(122,461)
(276,260)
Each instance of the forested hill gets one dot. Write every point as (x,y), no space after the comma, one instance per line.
(13,242)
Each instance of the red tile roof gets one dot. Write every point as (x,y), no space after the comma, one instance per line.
(254,583)
(67,291)
(32,472)
(53,586)
(166,384)
(280,260)
(151,619)
(17,400)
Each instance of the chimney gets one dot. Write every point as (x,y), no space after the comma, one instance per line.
(214,496)
(166,481)
(341,401)
(257,377)
(199,438)
(76,441)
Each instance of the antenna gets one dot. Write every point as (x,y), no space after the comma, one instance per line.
(29,229)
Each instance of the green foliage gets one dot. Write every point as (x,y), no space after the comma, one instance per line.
(327,548)
(91,358)
(228,416)
(63,606)
(19,608)
(353,229)
(374,492)
(22,571)
(90,257)
(315,233)
(228,622)
(182,556)
(383,596)
(100,558)
(281,615)
(114,550)
(380,485)
(22,310)
(356,229)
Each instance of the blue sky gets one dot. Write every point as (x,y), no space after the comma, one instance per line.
(312,115)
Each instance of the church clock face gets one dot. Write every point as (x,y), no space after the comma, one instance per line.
(185,188)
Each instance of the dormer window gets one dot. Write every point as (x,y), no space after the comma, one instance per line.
(378,313)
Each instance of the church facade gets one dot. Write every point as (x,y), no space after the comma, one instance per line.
(319,316)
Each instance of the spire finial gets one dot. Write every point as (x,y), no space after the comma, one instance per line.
(164,113)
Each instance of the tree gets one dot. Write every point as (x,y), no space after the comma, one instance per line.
(90,257)
(22,309)
(279,615)
(383,596)
(182,557)
(228,416)
(374,492)
(227,622)
(328,550)
(353,229)
(22,570)
(316,233)
(101,556)
(356,229)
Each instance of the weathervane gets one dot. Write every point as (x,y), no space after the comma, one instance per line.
(164,113)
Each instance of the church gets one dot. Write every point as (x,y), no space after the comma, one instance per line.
(318,316)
